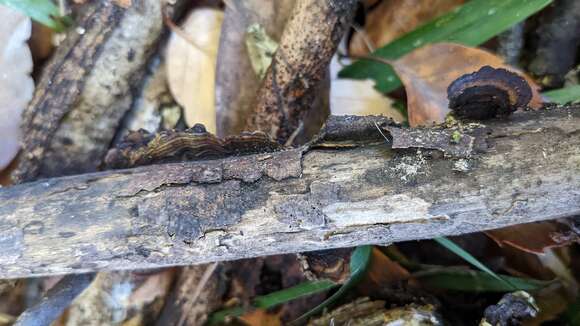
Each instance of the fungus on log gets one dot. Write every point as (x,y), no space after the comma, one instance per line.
(347,188)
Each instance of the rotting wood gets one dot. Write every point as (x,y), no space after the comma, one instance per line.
(349,189)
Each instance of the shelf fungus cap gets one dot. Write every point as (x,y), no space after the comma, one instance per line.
(487,93)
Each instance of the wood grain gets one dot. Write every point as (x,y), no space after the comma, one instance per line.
(348,190)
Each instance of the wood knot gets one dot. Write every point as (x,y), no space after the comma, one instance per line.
(487,93)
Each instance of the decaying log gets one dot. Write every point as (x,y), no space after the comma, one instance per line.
(349,188)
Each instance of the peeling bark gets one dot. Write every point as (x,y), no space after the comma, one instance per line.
(349,188)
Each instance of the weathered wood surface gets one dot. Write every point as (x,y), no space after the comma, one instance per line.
(526,169)
(87,87)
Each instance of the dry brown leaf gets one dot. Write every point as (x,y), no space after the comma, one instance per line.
(191,66)
(40,42)
(261,317)
(359,97)
(427,72)
(382,273)
(534,237)
(16,85)
(393,18)
(552,301)
(123,3)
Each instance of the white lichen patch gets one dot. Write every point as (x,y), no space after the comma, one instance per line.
(461,165)
(382,210)
(410,167)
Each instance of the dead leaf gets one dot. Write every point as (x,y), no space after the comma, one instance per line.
(261,317)
(382,273)
(535,237)
(394,18)
(359,97)
(191,66)
(123,3)
(427,72)
(40,42)
(16,85)
(552,301)
(154,287)
(291,274)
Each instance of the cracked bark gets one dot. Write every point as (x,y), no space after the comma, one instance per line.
(348,189)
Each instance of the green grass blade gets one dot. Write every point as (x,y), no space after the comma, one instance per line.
(471,24)
(274,299)
(564,95)
(359,262)
(43,11)
(474,281)
(451,246)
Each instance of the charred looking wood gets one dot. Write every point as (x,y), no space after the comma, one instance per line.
(295,200)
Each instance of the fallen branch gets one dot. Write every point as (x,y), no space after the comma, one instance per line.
(348,189)
(300,64)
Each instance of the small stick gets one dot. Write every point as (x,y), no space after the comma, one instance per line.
(56,300)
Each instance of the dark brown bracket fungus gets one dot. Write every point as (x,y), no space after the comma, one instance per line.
(487,93)
(143,148)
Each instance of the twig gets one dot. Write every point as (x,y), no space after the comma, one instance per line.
(55,301)
(210,269)
(308,43)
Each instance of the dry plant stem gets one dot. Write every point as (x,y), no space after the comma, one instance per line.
(55,301)
(296,200)
(309,41)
